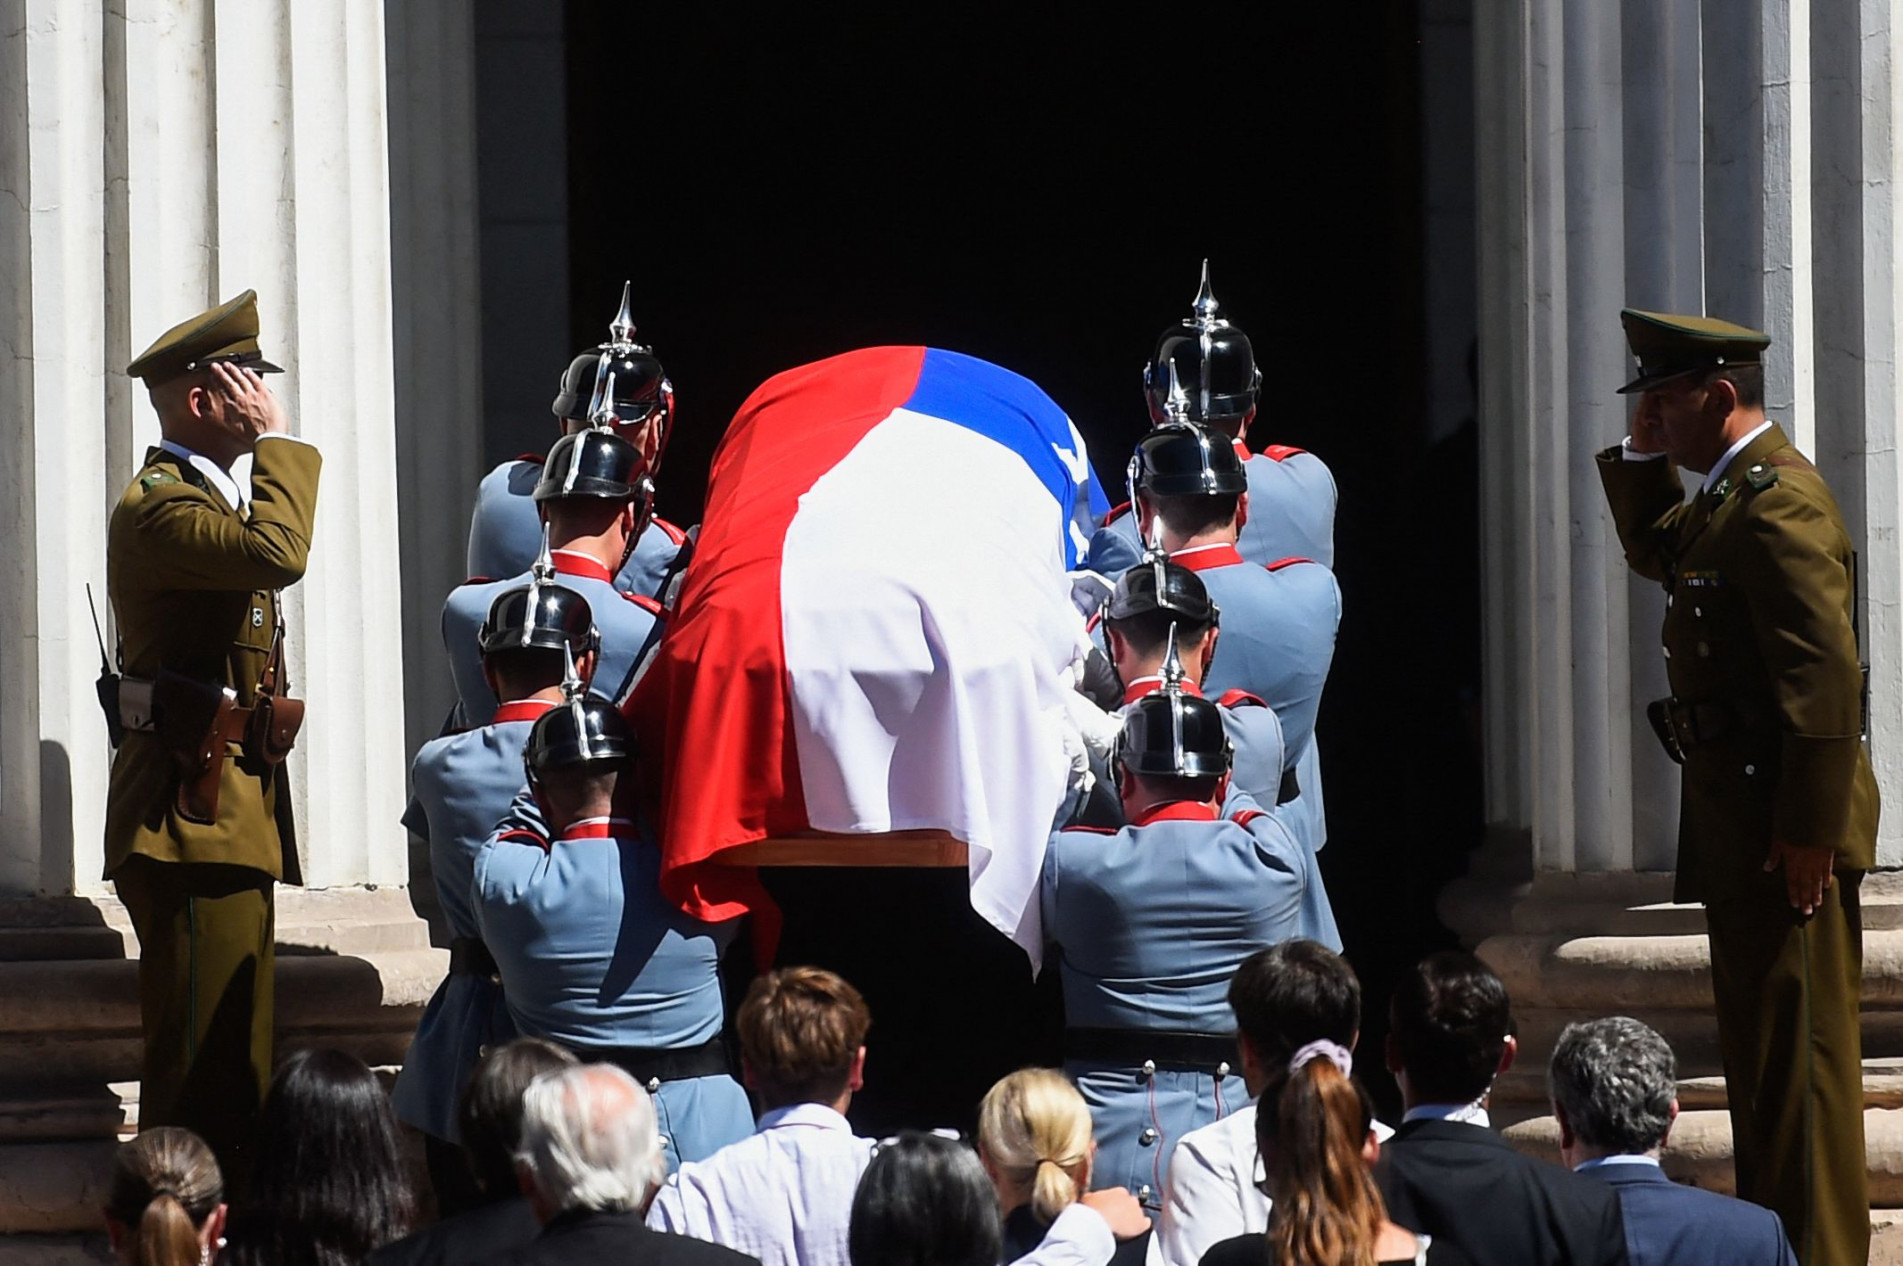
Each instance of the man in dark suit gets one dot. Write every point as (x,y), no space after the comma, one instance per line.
(1615,1092)
(590,1160)
(490,1121)
(1445,1172)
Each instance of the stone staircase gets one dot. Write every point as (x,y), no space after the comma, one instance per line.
(1577,946)
(354,968)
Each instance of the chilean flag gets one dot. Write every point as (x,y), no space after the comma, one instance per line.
(875,631)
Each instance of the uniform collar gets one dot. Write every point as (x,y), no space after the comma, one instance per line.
(1150,685)
(569,562)
(1723,465)
(1242,450)
(599,829)
(217,476)
(521,710)
(1176,811)
(1623,1158)
(1206,557)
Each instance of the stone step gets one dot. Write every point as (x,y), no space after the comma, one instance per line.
(1699,1150)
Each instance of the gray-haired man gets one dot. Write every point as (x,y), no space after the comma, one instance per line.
(1614,1084)
(589,1161)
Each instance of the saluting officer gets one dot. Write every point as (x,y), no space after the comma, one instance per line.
(594,501)
(464,783)
(590,953)
(1778,805)
(198,814)
(504,527)
(1152,919)
(1292,493)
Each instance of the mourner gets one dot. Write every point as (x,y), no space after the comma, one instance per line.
(593,499)
(1152,919)
(1778,805)
(504,527)
(198,815)
(463,784)
(1291,491)
(590,953)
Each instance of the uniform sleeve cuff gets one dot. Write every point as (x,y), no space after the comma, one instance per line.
(1626,451)
(286,435)
(1813,793)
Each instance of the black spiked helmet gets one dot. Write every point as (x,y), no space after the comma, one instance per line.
(1214,360)
(641,386)
(539,616)
(1171,733)
(583,730)
(1182,459)
(592,463)
(1157,584)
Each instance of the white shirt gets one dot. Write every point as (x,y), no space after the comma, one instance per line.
(1214,1190)
(783,1194)
(1467,1113)
(237,495)
(1717,470)
(1624,1158)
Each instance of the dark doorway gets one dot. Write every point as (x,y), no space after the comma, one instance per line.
(1038,188)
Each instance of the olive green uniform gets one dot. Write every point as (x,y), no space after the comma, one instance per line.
(1763,663)
(193,581)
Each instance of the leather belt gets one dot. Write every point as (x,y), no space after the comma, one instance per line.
(468,956)
(1683,726)
(653,1066)
(1188,1052)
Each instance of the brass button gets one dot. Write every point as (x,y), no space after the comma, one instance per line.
(1148,1137)
(1699,612)
(654,1085)
(1149,1068)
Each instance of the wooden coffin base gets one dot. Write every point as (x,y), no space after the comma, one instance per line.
(825,848)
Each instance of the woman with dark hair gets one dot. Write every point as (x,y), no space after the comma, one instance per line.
(924,1201)
(1313,1128)
(328,1187)
(167,1204)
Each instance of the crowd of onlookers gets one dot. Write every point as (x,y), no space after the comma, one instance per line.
(568,1165)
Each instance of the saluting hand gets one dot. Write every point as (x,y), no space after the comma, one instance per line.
(1648,430)
(254,410)
(1807,873)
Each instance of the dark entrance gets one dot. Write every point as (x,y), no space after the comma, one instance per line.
(1037,189)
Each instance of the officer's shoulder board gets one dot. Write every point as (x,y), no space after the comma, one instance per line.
(1090,830)
(533,459)
(1240,699)
(1760,477)
(521,836)
(1243,817)
(1290,561)
(156,477)
(1282,452)
(674,534)
(1116,512)
(650,605)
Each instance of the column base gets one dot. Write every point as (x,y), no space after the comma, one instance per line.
(354,968)
(1578,946)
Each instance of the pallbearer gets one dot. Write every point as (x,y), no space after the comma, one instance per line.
(504,529)
(1152,920)
(1291,491)
(594,501)
(463,785)
(589,952)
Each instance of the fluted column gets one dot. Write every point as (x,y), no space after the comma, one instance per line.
(158,157)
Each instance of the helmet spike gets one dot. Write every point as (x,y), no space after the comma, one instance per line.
(543,569)
(621,329)
(571,676)
(1173,672)
(1177,406)
(601,404)
(1205,307)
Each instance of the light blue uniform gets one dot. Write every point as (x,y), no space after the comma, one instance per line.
(627,621)
(1153,920)
(1278,641)
(463,785)
(1291,515)
(592,956)
(1254,732)
(505,532)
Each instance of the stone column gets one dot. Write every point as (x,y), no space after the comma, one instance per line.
(157,156)
(1744,165)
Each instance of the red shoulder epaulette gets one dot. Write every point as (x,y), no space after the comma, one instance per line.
(520,836)
(1290,561)
(1116,512)
(1247,816)
(1233,697)
(674,534)
(650,605)
(1090,625)
(1281,452)
(478,580)
(1092,830)
(533,459)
